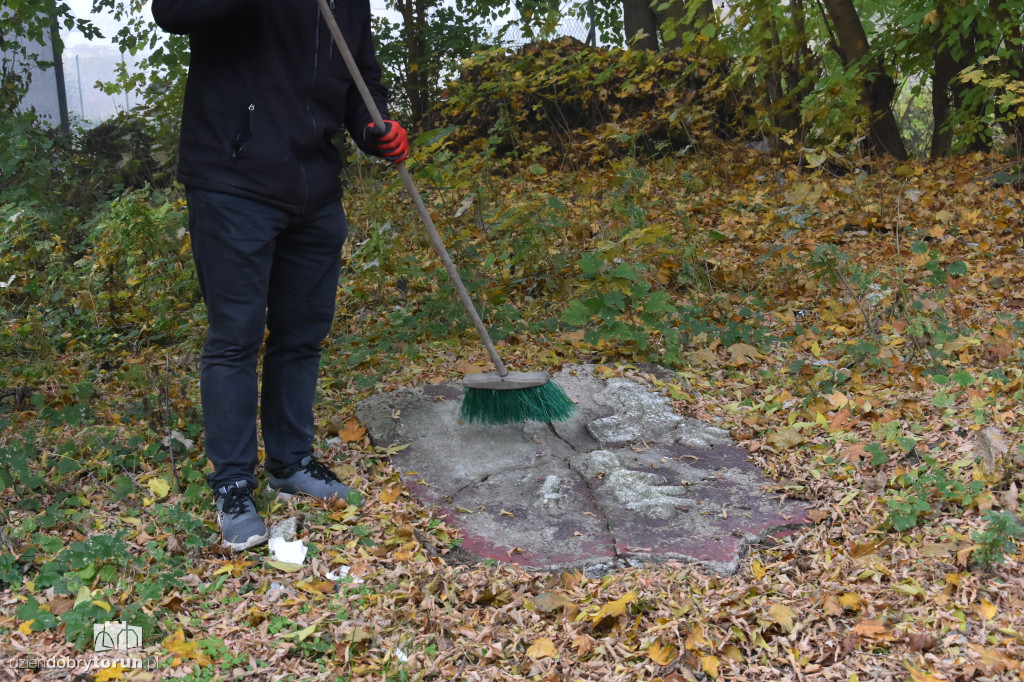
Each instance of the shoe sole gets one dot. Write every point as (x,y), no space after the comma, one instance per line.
(289,496)
(254,541)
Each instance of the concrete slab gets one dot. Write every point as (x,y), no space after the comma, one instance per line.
(625,480)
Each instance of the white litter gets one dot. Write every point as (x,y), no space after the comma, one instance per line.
(342,573)
(293,552)
(401,655)
(289,552)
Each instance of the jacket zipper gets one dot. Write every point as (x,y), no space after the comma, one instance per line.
(245,134)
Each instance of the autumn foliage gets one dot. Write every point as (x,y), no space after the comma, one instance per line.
(859,333)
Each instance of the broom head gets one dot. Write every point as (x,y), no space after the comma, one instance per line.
(518,396)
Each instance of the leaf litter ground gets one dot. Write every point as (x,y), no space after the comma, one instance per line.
(894,301)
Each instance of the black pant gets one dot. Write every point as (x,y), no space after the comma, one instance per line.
(261,268)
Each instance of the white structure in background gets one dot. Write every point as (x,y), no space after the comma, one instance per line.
(46,93)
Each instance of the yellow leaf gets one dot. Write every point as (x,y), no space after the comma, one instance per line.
(542,648)
(300,635)
(850,601)
(986,609)
(285,566)
(710,665)
(102,604)
(783,615)
(757,569)
(733,653)
(26,627)
(390,494)
(662,654)
(177,645)
(917,675)
(114,672)
(615,608)
(159,486)
(816,350)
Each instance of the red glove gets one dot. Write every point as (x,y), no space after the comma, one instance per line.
(392,144)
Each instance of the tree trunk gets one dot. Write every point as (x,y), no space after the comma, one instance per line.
(414,22)
(942,133)
(877,92)
(638,16)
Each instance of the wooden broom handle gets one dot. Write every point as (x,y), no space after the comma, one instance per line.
(410,187)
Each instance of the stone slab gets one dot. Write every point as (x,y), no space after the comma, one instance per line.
(626,479)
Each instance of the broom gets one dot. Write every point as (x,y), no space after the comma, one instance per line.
(499,397)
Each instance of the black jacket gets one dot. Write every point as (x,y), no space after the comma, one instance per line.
(267,90)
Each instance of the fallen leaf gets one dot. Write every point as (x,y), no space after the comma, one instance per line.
(300,635)
(114,672)
(390,494)
(615,608)
(850,601)
(922,642)
(662,654)
(783,615)
(542,648)
(182,648)
(549,601)
(352,432)
(742,354)
(785,438)
(873,630)
(159,486)
(710,665)
(986,609)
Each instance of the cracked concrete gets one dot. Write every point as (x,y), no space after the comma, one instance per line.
(625,480)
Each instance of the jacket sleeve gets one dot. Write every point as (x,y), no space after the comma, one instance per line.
(357,116)
(184,16)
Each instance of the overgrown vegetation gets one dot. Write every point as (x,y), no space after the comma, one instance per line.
(853,320)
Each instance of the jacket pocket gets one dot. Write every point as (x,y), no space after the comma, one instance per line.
(245,132)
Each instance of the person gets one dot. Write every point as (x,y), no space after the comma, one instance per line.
(267,91)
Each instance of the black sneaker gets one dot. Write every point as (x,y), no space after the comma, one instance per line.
(315,480)
(239,522)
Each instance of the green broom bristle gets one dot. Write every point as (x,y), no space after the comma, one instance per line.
(537,404)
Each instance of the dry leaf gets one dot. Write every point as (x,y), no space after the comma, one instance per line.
(663,654)
(549,601)
(614,609)
(391,493)
(710,665)
(986,609)
(542,648)
(177,645)
(922,642)
(851,601)
(873,630)
(783,615)
(352,432)
(742,354)
(159,486)
(114,672)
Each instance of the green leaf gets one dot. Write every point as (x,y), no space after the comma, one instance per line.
(591,264)
(576,314)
